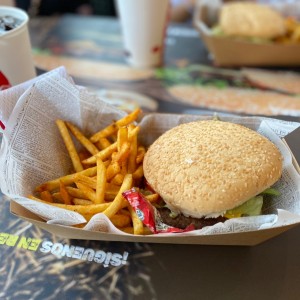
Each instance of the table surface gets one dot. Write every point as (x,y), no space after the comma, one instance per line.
(152,271)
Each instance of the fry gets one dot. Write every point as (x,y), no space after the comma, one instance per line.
(82,139)
(89,181)
(84,154)
(46,196)
(295,37)
(87,218)
(82,209)
(64,194)
(123,154)
(67,180)
(103,154)
(78,201)
(152,198)
(114,137)
(92,182)
(119,201)
(57,197)
(107,163)
(122,137)
(110,196)
(85,209)
(101,181)
(118,179)
(112,170)
(124,167)
(103,143)
(124,212)
(121,220)
(128,229)
(134,132)
(147,231)
(69,145)
(109,130)
(138,226)
(133,154)
(141,151)
(87,191)
(111,190)
(138,173)
(76,192)
(129,118)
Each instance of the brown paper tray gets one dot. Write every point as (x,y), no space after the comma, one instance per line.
(250,238)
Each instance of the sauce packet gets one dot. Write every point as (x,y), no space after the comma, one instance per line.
(149,215)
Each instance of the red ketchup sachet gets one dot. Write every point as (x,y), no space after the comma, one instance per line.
(149,215)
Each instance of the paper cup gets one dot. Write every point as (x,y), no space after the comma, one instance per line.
(16,61)
(144,25)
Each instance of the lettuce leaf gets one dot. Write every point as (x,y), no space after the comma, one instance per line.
(271,191)
(252,207)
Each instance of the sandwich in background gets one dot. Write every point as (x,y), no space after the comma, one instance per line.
(251,21)
(248,34)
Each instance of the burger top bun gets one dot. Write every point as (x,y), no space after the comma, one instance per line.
(247,19)
(207,167)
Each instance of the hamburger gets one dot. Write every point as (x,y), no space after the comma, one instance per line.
(209,171)
(250,20)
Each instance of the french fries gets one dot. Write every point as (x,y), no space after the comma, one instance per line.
(69,145)
(82,139)
(64,194)
(46,196)
(113,128)
(292,35)
(138,226)
(110,163)
(100,181)
(67,180)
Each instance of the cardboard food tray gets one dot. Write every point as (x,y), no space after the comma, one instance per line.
(93,114)
(234,53)
(249,238)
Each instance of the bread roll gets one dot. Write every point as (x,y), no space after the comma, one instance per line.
(245,19)
(207,167)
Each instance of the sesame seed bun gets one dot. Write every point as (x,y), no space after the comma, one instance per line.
(247,19)
(207,167)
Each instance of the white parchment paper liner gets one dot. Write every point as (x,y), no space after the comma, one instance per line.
(33,152)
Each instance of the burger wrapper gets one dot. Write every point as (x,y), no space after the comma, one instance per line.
(32,152)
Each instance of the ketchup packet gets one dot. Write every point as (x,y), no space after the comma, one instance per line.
(149,215)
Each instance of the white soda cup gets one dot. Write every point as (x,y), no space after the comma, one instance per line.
(16,61)
(144,24)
